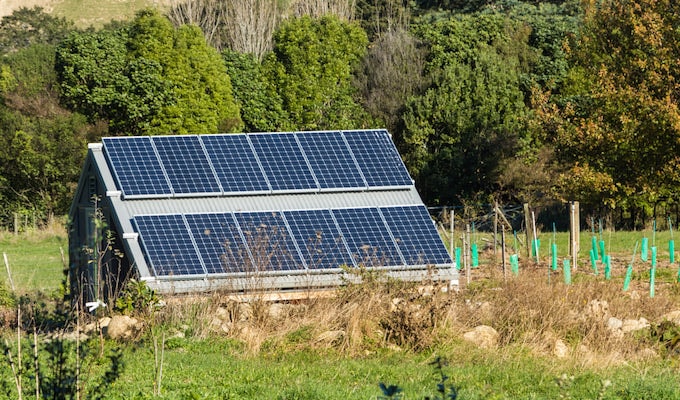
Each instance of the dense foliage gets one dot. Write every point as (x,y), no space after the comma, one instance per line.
(513,100)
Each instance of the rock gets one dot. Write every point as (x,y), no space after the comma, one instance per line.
(560,349)
(614,324)
(278,311)
(634,295)
(673,316)
(483,336)
(597,309)
(632,325)
(330,337)
(244,312)
(122,327)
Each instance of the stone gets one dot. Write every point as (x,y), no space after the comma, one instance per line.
(122,327)
(330,337)
(597,309)
(673,316)
(278,311)
(560,349)
(632,325)
(483,336)
(614,324)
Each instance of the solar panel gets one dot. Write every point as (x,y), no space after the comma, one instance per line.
(136,166)
(186,164)
(168,245)
(235,163)
(378,159)
(318,238)
(331,160)
(367,237)
(271,246)
(416,235)
(219,242)
(283,161)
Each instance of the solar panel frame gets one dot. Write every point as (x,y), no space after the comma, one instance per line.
(331,161)
(270,242)
(136,167)
(416,235)
(368,239)
(219,242)
(187,165)
(310,230)
(169,255)
(283,162)
(233,167)
(378,159)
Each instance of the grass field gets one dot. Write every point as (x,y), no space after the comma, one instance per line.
(35,260)
(264,357)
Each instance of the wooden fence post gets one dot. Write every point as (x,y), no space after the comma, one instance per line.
(574,233)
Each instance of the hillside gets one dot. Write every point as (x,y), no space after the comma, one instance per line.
(84,12)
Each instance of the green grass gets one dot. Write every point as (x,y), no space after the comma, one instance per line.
(218,369)
(34,260)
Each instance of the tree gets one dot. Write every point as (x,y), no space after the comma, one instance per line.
(42,145)
(391,73)
(99,80)
(148,78)
(622,135)
(311,67)
(25,27)
(260,104)
(458,133)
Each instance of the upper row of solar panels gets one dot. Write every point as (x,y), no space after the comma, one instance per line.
(223,164)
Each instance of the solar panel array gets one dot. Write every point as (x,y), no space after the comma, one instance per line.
(165,166)
(224,243)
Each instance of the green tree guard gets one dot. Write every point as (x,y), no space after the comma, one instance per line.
(671,250)
(474,256)
(645,248)
(458,251)
(554,256)
(602,253)
(593,259)
(567,272)
(593,242)
(607,267)
(626,280)
(514,264)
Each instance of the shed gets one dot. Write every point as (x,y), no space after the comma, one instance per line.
(244,212)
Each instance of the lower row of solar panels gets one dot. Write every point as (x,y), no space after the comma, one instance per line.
(296,240)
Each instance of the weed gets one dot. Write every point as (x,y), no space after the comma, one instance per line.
(137,298)
(444,389)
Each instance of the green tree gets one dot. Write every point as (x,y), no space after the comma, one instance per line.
(42,145)
(148,78)
(311,68)
(621,135)
(25,27)
(459,131)
(457,134)
(260,104)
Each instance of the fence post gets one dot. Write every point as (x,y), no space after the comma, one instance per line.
(574,233)
(527,228)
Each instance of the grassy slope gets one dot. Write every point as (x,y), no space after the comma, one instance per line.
(87,13)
